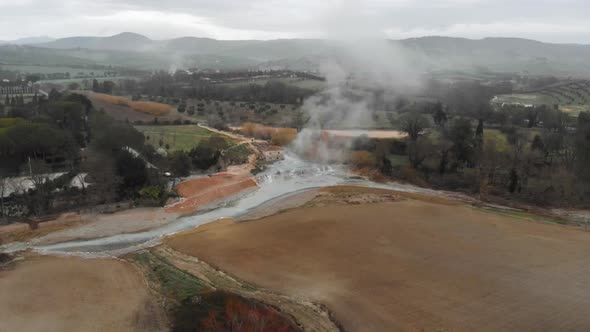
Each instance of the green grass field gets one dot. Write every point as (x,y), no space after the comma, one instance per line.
(495,136)
(572,97)
(178,138)
(173,281)
(533,99)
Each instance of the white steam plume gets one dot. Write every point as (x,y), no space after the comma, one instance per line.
(365,72)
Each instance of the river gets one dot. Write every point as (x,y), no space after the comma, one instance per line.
(282,178)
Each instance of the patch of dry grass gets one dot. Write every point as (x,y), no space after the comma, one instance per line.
(278,136)
(153,108)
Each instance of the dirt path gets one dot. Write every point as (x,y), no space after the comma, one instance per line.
(232,135)
(74,294)
(411,265)
(240,138)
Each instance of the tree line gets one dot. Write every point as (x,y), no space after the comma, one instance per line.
(56,140)
(184,85)
(64,134)
(538,154)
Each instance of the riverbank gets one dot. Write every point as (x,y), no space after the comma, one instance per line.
(75,226)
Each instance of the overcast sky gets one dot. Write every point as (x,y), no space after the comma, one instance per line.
(561,21)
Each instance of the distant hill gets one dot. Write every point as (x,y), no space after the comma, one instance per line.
(81,57)
(428,53)
(502,54)
(126,41)
(28,40)
(27,55)
(251,49)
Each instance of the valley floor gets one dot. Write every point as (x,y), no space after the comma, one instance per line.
(391,262)
(337,258)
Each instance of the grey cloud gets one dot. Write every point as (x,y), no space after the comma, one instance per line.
(267,19)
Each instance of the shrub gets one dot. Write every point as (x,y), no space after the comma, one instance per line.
(410,174)
(180,163)
(152,196)
(217,311)
(237,155)
(218,124)
(362,159)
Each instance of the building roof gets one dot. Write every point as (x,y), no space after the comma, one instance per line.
(22,184)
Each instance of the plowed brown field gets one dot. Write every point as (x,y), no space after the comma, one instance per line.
(74,294)
(411,265)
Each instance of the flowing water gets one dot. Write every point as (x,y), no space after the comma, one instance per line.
(287,176)
(284,177)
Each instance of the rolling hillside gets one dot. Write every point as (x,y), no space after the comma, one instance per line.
(503,54)
(432,53)
(27,41)
(27,55)
(572,96)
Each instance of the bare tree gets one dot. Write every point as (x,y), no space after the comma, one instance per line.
(38,171)
(103,177)
(419,150)
(439,116)
(490,163)
(414,123)
(39,174)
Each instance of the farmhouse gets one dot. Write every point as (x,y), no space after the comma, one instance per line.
(272,153)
